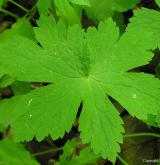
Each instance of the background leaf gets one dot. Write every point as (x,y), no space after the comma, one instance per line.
(142,20)
(81,2)
(14,154)
(68,12)
(70,156)
(19,88)
(22,28)
(44,5)
(158,2)
(99,10)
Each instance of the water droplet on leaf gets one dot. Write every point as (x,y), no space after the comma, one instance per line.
(30,115)
(134,96)
(29,102)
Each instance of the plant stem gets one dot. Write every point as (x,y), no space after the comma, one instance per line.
(142,134)
(18,5)
(122,160)
(47,152)
(118,157)
(31,12)
(9,13)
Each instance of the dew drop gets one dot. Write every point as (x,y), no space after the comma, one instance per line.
(29,102)
(134,96)
(30,115)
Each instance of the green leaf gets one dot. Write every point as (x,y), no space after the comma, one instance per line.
(2,72)
(153,120)
(81,67)
(158,2)
(69,156)
(1,3)
(125,4)
(6,81)
(99,10)
(68,12)
(81,2)
(22,28)
(32,116)
(43,6)
(157,70)
(142,21)
(19,88)
(1,128)
(14,154)
(26,71)
(68,151)
(108,124)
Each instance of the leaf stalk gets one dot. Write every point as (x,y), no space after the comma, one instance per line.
(18,5)
(142,134)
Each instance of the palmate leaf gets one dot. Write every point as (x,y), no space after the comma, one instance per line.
(142,20)
(82,67)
